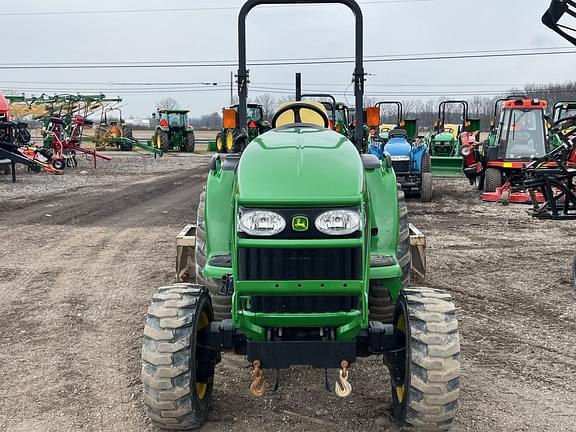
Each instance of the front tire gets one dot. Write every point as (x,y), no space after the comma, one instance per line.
(426,376)
(492,180)
(177,369)
(426,187)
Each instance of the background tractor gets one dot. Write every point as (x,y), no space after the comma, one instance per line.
(444,143)
(112,130)
(227,139)
(302,258)
(521,137)
(410,159)
(173,131)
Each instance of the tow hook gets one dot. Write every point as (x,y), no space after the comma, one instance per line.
(258,386)
(343,388)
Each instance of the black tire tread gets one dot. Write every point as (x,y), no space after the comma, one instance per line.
(492,179)
(435,360)
(166,376)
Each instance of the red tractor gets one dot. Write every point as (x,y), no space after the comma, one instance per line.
(521,136)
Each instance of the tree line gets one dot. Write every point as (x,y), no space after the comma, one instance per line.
(426,111)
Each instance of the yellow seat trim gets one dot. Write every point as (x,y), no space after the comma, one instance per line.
(307,116)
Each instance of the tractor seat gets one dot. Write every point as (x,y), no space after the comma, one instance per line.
(301,112)
(397,133)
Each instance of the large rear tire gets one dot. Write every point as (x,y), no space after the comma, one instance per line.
(177,368)
(426,163)
(426,376)
(162,141)
(190,142)
(220,145)
(492,179)
(379,303)
(221,302)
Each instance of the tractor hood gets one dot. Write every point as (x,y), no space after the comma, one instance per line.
(444,137)
(300,166)
(398,147)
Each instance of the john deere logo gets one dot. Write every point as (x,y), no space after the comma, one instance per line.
(300,223)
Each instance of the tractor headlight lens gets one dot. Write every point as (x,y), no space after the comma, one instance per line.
(465,150)
(261,223)
(338,222)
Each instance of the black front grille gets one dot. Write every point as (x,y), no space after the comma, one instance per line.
(300,264)
(401,166)
(303,304)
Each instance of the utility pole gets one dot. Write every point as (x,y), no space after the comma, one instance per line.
(231,88)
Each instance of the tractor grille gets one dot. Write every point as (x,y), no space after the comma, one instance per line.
(401,166)
(303,304)
(300,264)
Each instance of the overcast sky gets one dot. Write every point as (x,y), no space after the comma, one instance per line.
(394,28)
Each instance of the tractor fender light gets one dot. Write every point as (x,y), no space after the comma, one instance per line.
(260,222)
(338,222)
(381,261)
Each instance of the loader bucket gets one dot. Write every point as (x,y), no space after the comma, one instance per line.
(447,166)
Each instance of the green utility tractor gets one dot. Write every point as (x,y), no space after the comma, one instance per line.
(302,257)
(227,139)
(173,131)
(444,143)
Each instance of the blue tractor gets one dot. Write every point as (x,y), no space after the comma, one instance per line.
(409,156)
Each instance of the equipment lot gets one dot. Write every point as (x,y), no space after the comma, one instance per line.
(82,255)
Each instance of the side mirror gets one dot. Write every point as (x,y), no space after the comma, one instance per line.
(373,117)
(229,118)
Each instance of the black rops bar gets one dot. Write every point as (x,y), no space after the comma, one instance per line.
(557,9)
(358,70)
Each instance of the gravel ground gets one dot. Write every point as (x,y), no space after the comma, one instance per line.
(76,286)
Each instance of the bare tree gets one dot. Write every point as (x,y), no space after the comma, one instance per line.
(268,103)
(167,104)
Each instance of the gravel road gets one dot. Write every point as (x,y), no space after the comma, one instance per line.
(82,254)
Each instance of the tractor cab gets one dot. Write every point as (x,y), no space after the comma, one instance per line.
(173,119)
(521,132)
(562,110)
(522,135)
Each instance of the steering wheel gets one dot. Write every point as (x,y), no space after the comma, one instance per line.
(296,107)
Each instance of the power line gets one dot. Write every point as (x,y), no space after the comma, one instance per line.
(168,65)
(199,9)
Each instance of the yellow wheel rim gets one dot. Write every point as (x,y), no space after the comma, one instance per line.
(219,144)
(229,141)
(202,388)
(158,141)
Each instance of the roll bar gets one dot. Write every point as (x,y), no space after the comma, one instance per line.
(243,73)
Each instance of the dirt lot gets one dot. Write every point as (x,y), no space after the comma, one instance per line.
(82,254)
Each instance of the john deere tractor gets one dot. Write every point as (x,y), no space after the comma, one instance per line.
(444,143)
(173,132)
(302,258)
(227,140)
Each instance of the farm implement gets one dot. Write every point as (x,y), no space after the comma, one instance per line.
(227,140)
(521,137)
(112,131)
(13,135)
(303,257)
(549,179)
(410,159)
(444,144)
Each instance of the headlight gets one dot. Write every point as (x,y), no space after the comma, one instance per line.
(261,223)
(338,222)
(400,158)
(465,150)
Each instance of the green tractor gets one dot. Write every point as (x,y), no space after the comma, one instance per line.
(227,139)
(444,143)
(302,257)
(173,131)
